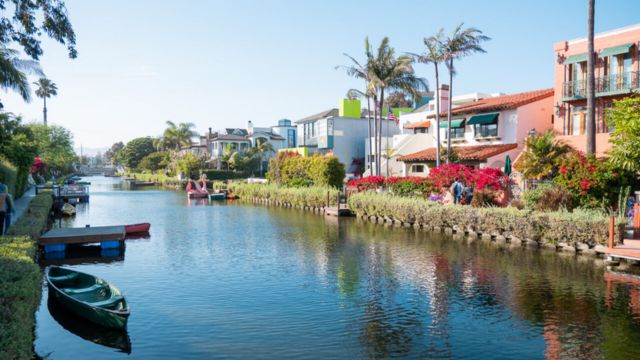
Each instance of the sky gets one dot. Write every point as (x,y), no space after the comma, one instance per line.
(222,63)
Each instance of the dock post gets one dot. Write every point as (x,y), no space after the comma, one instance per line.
(612,222)
(328,193)
(338,205)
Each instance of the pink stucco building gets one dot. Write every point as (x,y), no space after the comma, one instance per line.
(616,72)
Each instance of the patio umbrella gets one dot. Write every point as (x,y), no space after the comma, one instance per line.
(507,165)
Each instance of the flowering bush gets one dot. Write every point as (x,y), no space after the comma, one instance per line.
(442,177)
(410,185)
(367,183)
(593,183)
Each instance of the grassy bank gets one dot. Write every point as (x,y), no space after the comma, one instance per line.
(570,228)
(313,197)
(160,179)
(20,280)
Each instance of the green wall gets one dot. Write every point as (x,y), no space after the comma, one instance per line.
(349,108)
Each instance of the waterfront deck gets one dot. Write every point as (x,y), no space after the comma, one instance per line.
(629,249)
(108,236)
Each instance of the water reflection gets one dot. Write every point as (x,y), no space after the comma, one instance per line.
(116,339)
(82,254)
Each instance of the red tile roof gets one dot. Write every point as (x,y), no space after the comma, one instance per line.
(504,102)
(469,153)
(418,125)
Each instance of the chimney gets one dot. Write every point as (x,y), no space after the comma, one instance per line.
(249,127)
(210,133)
(443,93)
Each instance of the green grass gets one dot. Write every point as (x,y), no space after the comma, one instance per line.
(21,280)
(314,196)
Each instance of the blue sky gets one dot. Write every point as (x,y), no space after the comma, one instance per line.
(221,63)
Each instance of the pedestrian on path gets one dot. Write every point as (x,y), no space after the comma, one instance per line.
(3,206)
(456,190)
(10,207)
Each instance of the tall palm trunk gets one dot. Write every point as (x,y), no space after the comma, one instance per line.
(449,111)
(380,137)
(44,111)
(437,117)
(591,116)
(375,135)
(369,162)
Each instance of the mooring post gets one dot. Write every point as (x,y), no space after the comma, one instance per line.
(338,201)
(612,222)
(328,194)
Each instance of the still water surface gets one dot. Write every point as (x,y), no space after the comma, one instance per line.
(235,281)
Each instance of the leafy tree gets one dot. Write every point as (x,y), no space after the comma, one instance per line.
(23,27)
(136,150)
(13,72)
(623,116)
(263,148)
(55,146)
(176,136)
(542,156)
(46,89)
(112,155)
(398,100)
(155,161)
(462,42)
(190,165)
(435,54)
(17,145)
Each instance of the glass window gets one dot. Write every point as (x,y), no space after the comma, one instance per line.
(417,168)
(485,130)
(456,133)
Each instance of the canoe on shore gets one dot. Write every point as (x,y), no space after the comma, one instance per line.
(137,228)
(88,297)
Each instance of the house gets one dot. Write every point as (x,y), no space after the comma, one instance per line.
(341,132)
(258,135)
(417,131)
(223,143)
(484,132)
(616,71)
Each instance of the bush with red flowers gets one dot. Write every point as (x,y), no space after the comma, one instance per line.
(367,183)
(409,185)
(594,183)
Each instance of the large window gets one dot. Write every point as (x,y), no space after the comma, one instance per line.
(456,133)
(291,137)
(417,168)
(485,130)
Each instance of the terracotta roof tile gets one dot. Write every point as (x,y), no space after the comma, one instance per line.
(472,153)
(504,102)
(418,125)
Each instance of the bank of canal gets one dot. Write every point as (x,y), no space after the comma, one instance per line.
(242,281)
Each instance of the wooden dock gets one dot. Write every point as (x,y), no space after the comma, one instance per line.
(629,249)
(108,236)
(339,211)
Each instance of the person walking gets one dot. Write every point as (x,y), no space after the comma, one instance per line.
(3,206)
(456,190)
(10,207)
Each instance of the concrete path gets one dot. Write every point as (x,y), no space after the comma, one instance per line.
(22,204)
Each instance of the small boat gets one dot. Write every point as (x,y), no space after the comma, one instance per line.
(232,196)
(137,228)
(143,183)
(68,209)
(217,196)
(89,297)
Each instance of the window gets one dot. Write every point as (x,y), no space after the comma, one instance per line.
(578,78)
(421,131)
(456,133)
(605,116)
(485,130)
(291,138)
(417,168)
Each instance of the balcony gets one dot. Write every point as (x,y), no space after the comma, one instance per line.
(615,84)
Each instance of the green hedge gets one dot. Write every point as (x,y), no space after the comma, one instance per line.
(8,175)
(292,170)
(589,227)
(224,175)
(315,196)
(21,280)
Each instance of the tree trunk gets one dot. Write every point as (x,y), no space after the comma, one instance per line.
(44,111)
(375,135)
(369,162)
(380,138)
(449,112)
(591,101)
(437,118)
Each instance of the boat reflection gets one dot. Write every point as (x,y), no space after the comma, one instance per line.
(116,339)
(82,254)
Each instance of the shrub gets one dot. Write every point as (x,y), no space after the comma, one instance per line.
(155,161)
(532,196)
(367,183)
(190,165)
(517,203)
(410,185)
(555,198)
(223,174)
(485,197)
(291,169)
(314,196)
(8,174)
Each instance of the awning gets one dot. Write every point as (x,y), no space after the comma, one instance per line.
(455,123)
(616,50)
(483,119)
(576,58)
(418,125)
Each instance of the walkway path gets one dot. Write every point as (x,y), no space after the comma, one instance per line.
(22,204)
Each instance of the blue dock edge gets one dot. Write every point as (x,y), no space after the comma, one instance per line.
(55,248)
(110,244)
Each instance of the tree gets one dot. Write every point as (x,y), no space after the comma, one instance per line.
(136,150)
(361,71)
(112,155)
(13,72)
(46,89)
(398,100)
(55,146)
(155,161)
(542,156)
(434,55)
(176,136)
(462,42)
(22,26)
(393,73)
(263,147)
(623,116)
(591,93)
(18,146)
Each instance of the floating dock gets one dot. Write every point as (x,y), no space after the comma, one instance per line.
(109,237)
(339,211)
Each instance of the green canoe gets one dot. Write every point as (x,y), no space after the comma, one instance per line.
(88,296)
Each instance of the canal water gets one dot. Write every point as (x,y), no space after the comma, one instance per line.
(236,281)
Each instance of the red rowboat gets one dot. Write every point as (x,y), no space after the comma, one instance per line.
(137,228)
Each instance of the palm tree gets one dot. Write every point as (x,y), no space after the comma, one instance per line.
(46,89)
(591,101)
(360,71)
(462,42)
(230,156)
(13,72)
(391,72)
(542,156)
(263,147)
(434,55)
(388,155)
(178,135)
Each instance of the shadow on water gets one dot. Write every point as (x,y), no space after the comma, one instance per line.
(115,339)
(82,255)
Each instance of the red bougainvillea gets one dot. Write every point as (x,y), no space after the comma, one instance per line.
(367,183)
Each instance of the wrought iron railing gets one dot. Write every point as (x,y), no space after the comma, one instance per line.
(606,84)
